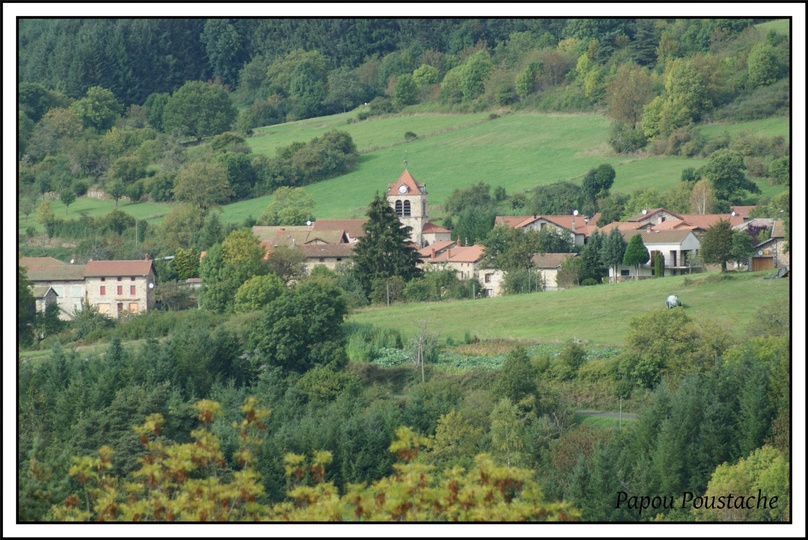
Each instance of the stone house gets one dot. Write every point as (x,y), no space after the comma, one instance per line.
(66,281)
(547,266)
(771,253)
(118,287)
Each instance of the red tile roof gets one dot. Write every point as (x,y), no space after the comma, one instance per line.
(38,261)
(650,213)
(705,221)
(621,225)
(742,211)
(354,227)
(413,187)
(580,224)
(118,268)
(436,247)
(432,228)
(460,254)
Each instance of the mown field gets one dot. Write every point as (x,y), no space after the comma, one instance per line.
(518,151)
(599,315)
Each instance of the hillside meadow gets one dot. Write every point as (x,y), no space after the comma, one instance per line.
(517,151)
(599,314)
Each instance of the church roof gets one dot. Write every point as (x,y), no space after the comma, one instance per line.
(406,179)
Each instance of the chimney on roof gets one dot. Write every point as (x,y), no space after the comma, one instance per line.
(433,254)
(458,242)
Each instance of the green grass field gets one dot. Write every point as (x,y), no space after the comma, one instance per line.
(517,151)
(150,211)
(767,127)
(598,314)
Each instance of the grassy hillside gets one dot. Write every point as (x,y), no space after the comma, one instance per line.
(517,151)
(599,314)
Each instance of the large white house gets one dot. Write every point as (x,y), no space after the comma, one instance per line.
(679,248)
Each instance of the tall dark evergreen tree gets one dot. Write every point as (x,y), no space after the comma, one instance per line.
(385,250)
(614,247)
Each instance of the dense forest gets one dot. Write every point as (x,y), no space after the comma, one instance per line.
(267,403)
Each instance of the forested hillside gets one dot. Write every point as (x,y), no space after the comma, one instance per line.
(376,391)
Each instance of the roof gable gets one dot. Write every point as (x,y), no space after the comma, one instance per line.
(406,179)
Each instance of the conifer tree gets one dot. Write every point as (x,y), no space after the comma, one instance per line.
(614,247)
(385,250)
(636,254)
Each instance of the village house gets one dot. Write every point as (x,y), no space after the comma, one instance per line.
(547,266)
(577,228)
(770,252)
(463,260)
(66,281)
(118,287)
(679,248)
(113,287)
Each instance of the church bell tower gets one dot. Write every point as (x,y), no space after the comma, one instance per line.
(408,199)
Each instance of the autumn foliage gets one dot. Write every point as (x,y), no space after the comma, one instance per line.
(191,482)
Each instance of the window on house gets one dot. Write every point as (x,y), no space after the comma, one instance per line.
(103,279)
(624,272)
(103,308)
(119,278)
(75,291)
(488,278)
(132,278)
(339,259)
(132,290)
(133,307)
(103,290)
(407,209)
(399,210)
(120,290)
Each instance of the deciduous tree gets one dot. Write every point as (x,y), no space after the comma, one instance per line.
(716,245)
(198,109)
(725,171)
(302,328)
(203,185)
(289,206)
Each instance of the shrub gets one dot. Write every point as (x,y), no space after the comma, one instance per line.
(410,136)
(589,281)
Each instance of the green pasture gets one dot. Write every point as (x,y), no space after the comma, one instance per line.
(517,151)
(371,134)
(781,26)
(767,127)
(151,211)
(599,314)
